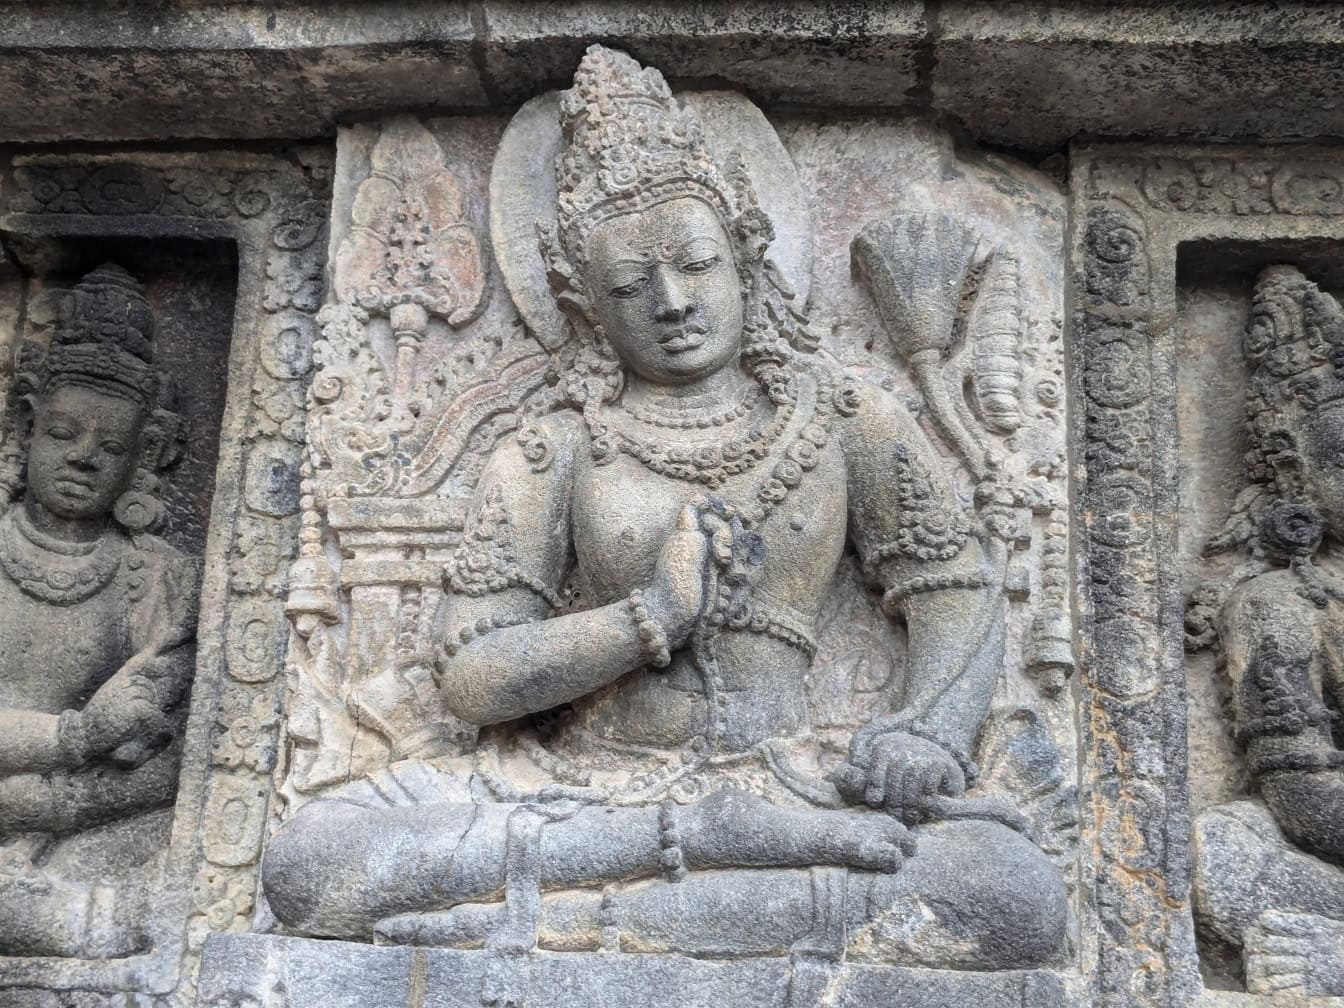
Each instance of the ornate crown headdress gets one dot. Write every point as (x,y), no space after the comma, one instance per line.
(629,144)
(1295,350)
(1294,346)
(103,338)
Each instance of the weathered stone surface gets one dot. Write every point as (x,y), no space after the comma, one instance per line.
(62,214)
(1013,74)
(1169,245)
(752,541)
(845,54)
(495,527)
(318,974)
(1029,76)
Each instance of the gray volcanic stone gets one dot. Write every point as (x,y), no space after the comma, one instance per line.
(827,504)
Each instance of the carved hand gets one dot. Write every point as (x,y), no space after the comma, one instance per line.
(901,774)
(123,711)
(677,591)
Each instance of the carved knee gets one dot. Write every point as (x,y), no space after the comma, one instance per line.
(976,896)
(301,870)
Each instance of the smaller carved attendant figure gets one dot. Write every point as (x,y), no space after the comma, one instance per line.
(97,618)
(1268,877)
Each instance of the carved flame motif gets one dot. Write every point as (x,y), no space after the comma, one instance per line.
(410,241)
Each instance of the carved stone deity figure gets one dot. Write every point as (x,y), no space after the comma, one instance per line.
(97,618)
(1269,881)
(631,616)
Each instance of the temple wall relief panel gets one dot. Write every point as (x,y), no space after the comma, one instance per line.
(772,634)
(1205,332)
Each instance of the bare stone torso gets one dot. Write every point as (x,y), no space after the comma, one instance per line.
(622,514)
(54,658)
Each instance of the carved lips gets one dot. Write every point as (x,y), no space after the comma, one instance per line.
(683,338)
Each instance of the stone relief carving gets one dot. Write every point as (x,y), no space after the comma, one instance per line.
(558,614)
(1167,246)
(1267,877)
(272,209)
(97,635)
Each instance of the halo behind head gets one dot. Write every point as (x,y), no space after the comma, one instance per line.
(627,142)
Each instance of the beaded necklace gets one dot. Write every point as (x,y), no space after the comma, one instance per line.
(656,417)
(712,463)
(53,570)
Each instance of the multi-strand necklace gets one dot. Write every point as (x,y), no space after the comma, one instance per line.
(713,462)
(50,569)
(677,419)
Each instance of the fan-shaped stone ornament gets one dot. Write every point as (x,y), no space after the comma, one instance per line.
(522,194)
(411,241)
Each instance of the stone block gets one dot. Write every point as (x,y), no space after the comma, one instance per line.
(1034,75)
(851,53)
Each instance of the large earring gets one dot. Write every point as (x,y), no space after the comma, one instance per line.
(139,509)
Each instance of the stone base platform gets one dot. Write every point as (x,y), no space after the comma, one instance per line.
(265,971)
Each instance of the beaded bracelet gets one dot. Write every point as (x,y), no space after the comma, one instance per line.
(652,640)
(898,593)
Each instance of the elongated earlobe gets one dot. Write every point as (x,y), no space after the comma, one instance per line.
(577,307)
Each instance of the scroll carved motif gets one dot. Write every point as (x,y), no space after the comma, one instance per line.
(275,210)
(1136,208)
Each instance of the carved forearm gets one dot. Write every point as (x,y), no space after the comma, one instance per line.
(30,742)
(491,674)
(956,652)
(63,801)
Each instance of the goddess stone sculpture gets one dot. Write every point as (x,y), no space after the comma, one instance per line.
(1268,877)
(645,760)
(97,618)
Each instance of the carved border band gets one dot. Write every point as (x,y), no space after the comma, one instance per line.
(1131,209)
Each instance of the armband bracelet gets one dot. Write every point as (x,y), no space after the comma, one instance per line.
(652,640)
(903,590)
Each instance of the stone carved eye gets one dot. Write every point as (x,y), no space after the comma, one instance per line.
(631,289)
(701,265)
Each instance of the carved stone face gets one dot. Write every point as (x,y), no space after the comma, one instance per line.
(1323,474)
(83,452)
(665,289)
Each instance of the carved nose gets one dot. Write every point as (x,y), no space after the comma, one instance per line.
(673,305)
(82,456)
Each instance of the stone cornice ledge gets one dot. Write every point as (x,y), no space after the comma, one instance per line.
(1021,74)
